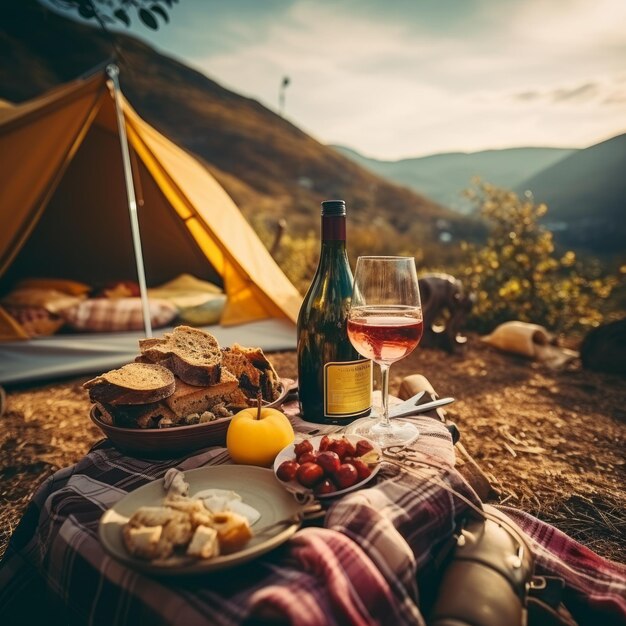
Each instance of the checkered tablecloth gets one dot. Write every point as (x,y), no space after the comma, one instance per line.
(361,567)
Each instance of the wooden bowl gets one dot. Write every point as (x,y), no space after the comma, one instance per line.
(163,443)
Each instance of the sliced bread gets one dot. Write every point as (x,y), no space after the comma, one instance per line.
(266,379)
(151,415)
(237,364)
(134,383)
(188,399)
(192,354)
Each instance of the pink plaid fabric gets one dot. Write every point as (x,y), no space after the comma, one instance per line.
(339,585)
(594,585)
(112,315)
(35,321)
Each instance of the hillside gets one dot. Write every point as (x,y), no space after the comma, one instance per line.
(586,197)
(443,177)
(269,166)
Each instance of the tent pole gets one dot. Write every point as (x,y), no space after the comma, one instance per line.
(113,73)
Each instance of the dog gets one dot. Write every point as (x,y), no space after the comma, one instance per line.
(444,300)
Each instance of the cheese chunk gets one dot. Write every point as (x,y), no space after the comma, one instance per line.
(204,543)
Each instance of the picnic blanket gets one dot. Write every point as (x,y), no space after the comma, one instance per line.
(362,567)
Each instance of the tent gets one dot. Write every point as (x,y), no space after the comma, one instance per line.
(64,213)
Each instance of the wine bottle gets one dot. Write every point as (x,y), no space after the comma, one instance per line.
(334,381)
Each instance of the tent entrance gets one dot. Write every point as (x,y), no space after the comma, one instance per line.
(84,233)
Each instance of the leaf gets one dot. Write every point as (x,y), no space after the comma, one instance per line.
(122,16)
(148,19)
(371,458)
(155,8)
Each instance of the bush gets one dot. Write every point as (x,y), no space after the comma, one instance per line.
(517,275)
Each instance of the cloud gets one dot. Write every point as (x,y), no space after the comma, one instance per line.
(617,97)
(608,91)
(393,84)
(582,92)
(527,95)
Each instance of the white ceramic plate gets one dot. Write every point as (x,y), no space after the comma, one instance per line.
(257,486)
(295,487)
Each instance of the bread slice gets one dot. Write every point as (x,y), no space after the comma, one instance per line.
(188,399)
(151,415)
(192,354)
(254,373)
(134,383)
(237,364)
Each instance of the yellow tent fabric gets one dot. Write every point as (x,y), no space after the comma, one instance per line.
(64,213)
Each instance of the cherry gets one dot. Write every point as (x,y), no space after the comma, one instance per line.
(346,476)
(287,470)
(307,457)
(310,474)
(302,447)
(341,447)
(329,461)
(363,447)
(362,468)
(326,486)
(350,449)
(324,441)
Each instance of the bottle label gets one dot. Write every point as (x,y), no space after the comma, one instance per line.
(347,388)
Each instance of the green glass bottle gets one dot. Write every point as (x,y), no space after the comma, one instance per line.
(334,381)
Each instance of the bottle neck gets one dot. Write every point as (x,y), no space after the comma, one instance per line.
(334,229)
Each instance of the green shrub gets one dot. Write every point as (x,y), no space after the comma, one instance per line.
(517,274)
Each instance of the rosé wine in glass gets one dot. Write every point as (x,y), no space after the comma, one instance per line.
(385,324)
(384,335)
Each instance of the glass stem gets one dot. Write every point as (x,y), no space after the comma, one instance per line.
(384,377)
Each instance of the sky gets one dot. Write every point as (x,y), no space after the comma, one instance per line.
(401,78)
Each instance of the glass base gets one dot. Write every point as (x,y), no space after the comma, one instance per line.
(397,433)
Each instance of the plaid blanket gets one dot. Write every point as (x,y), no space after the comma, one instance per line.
(360,568)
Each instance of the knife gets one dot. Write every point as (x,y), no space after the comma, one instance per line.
(422,408)
(401,407)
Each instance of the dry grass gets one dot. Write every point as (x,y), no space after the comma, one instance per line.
(551,442)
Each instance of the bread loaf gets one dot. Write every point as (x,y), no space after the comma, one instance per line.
(188,399)
(135,383)
(192,354)
(151,415)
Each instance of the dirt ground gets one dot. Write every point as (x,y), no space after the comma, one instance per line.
(551,442)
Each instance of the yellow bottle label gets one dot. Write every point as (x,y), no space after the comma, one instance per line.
(347,388)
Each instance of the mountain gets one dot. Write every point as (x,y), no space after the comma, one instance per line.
(268,165)
(443,177)
(586,198)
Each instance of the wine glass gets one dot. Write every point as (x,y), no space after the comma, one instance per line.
(385,324)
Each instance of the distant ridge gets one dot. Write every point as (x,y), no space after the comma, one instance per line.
(586,197)
(584,189)
(443,177)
